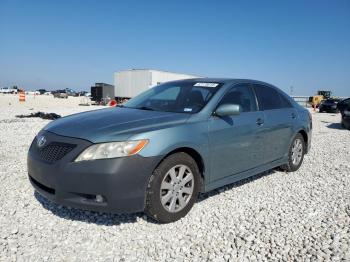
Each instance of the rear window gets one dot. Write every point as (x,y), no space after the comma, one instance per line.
(344,104)
(269,98)
(285,102)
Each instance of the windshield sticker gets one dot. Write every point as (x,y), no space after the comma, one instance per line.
(187,109)
(206,84)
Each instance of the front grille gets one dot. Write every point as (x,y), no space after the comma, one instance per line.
(54,151)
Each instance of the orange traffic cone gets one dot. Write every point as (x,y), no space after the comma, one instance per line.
(22,96)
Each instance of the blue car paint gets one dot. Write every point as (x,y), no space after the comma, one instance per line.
(113,124)
(231,147)
(233,139)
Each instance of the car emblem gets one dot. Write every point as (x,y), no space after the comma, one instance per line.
(41,141)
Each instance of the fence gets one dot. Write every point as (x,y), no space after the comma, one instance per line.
(302,100)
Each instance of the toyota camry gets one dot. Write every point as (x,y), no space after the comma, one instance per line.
(159,150)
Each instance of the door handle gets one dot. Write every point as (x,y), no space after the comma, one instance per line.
(259,121)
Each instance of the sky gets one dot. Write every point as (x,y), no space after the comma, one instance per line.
(73,44)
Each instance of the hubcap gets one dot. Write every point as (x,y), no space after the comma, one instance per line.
(177,188)
(297,151)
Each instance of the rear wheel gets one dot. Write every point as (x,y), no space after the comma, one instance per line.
(173,188)
(296,154)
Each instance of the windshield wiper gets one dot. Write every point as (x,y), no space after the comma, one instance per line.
(145,108)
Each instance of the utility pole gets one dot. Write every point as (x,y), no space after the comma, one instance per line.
(291,90)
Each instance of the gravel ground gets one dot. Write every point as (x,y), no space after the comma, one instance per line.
(274,216)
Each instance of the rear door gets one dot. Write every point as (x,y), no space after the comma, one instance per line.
(233,139)
(279,118)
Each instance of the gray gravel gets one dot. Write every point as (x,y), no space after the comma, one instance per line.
(274,216)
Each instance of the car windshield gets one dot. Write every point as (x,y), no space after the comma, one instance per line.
(180,97)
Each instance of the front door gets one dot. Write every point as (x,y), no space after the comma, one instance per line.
(234,140)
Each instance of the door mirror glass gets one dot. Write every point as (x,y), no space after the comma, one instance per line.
(228,110)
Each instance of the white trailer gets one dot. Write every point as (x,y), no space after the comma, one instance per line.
(129,83)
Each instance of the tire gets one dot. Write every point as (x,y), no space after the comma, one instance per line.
(163,184)
(292,165)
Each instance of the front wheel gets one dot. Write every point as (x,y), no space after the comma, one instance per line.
(173,188)
(296,154)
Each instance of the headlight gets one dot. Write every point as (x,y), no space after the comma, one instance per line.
(112,150)
(346,113)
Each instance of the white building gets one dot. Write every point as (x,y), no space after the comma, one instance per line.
(129,83)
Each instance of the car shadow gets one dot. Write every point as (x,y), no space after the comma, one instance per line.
(222,189)
(106,219)
(89,216)
(335,126)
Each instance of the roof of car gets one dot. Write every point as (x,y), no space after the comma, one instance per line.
(223,80)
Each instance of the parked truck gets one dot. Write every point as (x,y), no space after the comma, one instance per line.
(9,90)
(102,93)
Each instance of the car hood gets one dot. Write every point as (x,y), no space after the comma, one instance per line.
(113,124)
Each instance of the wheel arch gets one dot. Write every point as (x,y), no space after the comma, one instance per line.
(305,136)
(192,153)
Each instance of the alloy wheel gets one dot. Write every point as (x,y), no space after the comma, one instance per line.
(297,151)
(177,188)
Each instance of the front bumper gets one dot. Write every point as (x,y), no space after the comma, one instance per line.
(122,182)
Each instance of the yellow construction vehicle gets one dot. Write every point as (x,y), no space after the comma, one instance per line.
(317,99)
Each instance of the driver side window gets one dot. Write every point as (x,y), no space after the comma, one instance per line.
(241,95)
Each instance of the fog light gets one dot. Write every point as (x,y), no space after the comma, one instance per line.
(99,199)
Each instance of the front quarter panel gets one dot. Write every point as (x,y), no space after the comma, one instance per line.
(191,134)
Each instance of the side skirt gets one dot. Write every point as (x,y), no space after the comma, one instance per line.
(240,176)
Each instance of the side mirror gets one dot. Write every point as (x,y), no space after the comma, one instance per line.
(228,110)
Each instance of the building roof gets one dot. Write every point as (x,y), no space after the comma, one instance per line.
(150,69)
